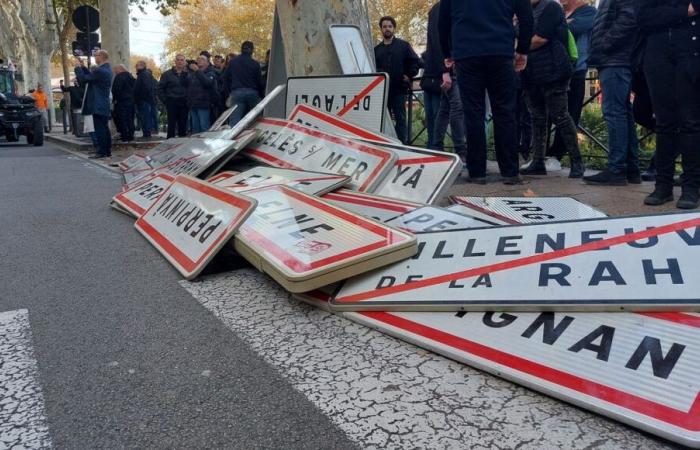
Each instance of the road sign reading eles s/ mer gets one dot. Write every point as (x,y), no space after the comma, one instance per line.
(191,221)
(305,243)
(610,264)
(312,183)
(138,199)
(315,118)
(372,206)
(290,145)
(520,210)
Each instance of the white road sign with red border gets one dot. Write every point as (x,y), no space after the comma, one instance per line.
(431,218)
(191,221)
(131,162)
(330,123)
(138,199)
(312,183)
(520,210)
(368,205)
(289,145)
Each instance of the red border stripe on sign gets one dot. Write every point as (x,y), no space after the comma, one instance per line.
(337,123)
(493,214)
(373,204)
(359,96)
(426,160)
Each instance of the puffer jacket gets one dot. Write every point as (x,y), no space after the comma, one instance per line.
(202,88)
(614,35)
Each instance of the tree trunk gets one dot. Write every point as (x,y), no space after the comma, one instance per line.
(114,25)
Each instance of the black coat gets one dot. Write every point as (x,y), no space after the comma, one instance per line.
(201,90)
(145,87)
(173,86)
(123,88)
(614,34)
(433,57)
(397,59)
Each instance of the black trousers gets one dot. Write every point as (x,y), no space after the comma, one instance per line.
(576,96)
(177,117)
(123,117)
(496,75)
(675,95)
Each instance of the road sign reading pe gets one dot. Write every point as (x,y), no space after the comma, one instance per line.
(304,243)
(191,221)
(138,199)
(431,218)
(359,99)
(367,205)
(290,145)
(519,210)
(609,264)
(312,183)
(330,123)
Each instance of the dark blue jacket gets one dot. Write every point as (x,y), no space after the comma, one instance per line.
(99,84)
(580,25)
(614,35)
(470,28)
(242,72)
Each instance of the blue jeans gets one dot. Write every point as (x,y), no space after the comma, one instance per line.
(200,119)
(451,113)
(145,113)
(245,99)
(397,107)
(616,84)
(432,106)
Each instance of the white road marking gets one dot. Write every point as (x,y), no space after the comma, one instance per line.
(385,393)
(22,419)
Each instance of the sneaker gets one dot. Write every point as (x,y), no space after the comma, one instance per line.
(536,167)
(510,181)
(648,175)
(476,180)
(634,178)
(660,196)
(606,178)
(690,199)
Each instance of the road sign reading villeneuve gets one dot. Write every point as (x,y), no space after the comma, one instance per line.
(312,183)
(610,264)
(315,118)
(289,145)
(520,210)
(367,205)
(138,199)
(360,99)
(191,221)
(305,243)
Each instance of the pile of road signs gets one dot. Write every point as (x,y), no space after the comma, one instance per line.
(598,311)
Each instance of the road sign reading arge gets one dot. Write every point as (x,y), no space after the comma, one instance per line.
(315,118)
(372,206)
(312,183)
(290,145)
(610,264)
(138,199)
(360,99)
(191,221)
(520,210)
(305,243)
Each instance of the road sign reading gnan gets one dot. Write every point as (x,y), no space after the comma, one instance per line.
(312,183)
(430,218)
(138,199)
(315,118)
(289,145)
(610,264)
(305,243)
(191,221)
(360,99)
(520,210)
(372,206)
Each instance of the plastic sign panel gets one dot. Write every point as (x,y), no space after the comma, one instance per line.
(130,162)
(223,118)
(222,177)
(372,206)
(351,50)
(430,218)
(305,243)
(360,99)
(241,141)
(465,210)
(515,210)
(314,118)
(610,264)
(138,199)
(290,145)
(312,183)
(420,175)
(191,221)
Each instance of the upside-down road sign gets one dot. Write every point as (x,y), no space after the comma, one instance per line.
(372,206)
(289,145)
(305,243)
(360,99)
(312,183)
(519,210)
(130,162)
(431,218)
(609,264)
(223,118)
(191,221)
(330,123)
(139,198)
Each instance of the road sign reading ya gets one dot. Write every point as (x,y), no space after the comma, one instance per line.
(315,118)
(367,205)
(138,199)
(612,264)
(292,146)
(360,99)
(305,243)
(520,210)
(191,221)
(312,183)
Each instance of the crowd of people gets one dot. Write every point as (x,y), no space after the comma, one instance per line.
(524,60)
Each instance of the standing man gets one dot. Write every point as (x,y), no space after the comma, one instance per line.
(579,16)
(396,57)
(243,80)
(96,103)
(145,99)
(613,40)
(123,99)
(172,91)
(42,104)
(480,38)
(201,92)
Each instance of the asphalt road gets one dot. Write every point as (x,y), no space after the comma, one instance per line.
(126,357)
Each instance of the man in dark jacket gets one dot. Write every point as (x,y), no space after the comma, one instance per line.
(243,80)
(396,57)
(201,93)
(172,91)
(443,105)
(123,100)
(613,40)
(480,38)
(145,99)
(98,83)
